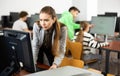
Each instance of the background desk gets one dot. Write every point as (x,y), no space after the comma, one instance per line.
(113,47)
(65,71)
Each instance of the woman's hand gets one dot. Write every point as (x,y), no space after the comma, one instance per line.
(53,66)
(91,25)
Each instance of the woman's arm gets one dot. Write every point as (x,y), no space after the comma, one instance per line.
(62,46)
(35,42)
(95,44)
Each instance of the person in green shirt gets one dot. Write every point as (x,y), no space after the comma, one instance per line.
(67,18)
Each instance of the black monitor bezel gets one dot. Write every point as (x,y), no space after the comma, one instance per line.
(31,67)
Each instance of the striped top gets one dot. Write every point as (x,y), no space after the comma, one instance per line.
(89,43)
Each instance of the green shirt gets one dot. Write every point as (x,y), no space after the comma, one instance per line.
(67,19)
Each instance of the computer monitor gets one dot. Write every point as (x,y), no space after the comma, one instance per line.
(33,19)
(14,16)
(102,15)
(117,29)
(58,15)
(103,25)
(20,42)
(28,21)
(8,64)
(5,21)
(111,14)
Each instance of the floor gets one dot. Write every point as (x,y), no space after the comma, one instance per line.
(114,64)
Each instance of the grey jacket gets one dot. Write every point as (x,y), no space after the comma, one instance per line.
(38,36)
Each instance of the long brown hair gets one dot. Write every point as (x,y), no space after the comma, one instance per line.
(49,10)
(84,25)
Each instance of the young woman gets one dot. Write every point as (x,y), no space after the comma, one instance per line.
(88,41)
(49,38)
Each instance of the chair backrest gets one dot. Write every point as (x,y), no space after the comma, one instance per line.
(75,49)
(72,62)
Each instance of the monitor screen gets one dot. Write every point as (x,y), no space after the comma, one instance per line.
(58,15)
(14,16)
(5,21)
(20,42)
(34,18)
(103,25)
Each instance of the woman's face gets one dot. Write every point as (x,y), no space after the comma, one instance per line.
(46,21)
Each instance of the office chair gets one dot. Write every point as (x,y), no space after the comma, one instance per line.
(76,60)
(72,62)
(76,51)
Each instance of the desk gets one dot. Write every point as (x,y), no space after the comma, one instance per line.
(66,71)
(114,46)
(24,72)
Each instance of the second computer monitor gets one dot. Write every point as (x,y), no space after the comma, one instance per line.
(103,25)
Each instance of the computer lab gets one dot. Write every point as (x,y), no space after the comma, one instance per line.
(60,38)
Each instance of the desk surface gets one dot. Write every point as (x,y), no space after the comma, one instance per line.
(66,71)
(114,46)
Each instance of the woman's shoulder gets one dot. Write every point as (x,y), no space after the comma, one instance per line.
(62,25)
(63,29)
(36,26)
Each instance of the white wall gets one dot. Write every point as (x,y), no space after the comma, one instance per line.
(88,8)
(32,6)
(91,8)
(82,6)
(108,6)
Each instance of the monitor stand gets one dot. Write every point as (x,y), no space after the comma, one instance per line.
(106,38)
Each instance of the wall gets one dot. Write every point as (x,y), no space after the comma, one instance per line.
(82,6)
(88,8)
(108,6)
(91,8)
(32,6)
